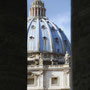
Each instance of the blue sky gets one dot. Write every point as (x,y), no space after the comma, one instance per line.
(59,12)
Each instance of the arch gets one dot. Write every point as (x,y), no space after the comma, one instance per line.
(45,40)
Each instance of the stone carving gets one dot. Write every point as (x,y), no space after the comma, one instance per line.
(31,74)
(32,56)
(36,73)
(67,58)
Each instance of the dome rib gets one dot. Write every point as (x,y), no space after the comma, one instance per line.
(29,24)
(62,43)
(60,38)
(55,42)
(68,43)
(37,35)
(40,38)
(28,32)
(50,35)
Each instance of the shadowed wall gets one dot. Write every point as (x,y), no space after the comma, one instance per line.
(13,62)
(80,44)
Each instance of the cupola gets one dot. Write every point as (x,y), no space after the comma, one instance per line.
(37,9)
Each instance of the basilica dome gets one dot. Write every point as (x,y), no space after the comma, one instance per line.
(42,34)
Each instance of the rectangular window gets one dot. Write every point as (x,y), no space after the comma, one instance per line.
(54,81)
(31,81)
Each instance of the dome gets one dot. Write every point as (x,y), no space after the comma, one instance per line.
(43,35)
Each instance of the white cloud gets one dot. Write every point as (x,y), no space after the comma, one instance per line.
(63,21)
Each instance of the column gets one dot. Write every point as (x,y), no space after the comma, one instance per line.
(40,12)
(34,12)
(31,11)
(43,11)
(37,11)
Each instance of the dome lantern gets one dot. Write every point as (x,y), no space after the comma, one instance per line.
(37,9)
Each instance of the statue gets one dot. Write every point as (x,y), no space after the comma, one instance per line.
(67,58)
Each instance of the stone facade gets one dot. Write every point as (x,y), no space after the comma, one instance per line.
(50,77)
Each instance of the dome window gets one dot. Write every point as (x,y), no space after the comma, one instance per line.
(44,37)
(58,50)
(53,28)
(47,21)
(60,30)
(45,18)
(41,21)
(43,27)
(65,41)
(34,21)
(56,39)
(31,37)
(32,27)
(44,40)
(29,19)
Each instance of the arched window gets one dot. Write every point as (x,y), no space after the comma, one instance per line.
(43,27)
(56,40)
(60,30)
(58,50)
(41,20)
(47,21)
(32,27)
(44,40)
(31,37)
(65,41)
(52,28)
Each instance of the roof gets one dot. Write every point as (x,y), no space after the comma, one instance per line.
(45,36)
